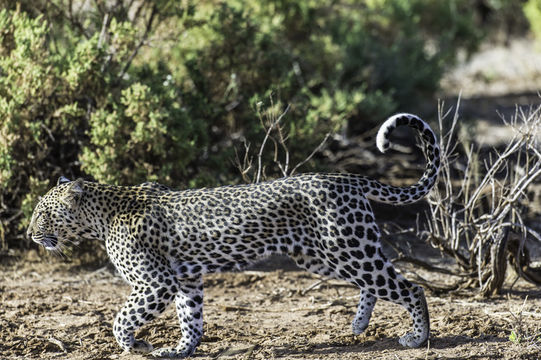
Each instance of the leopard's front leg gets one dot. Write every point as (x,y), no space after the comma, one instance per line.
(189,304)
(143,305)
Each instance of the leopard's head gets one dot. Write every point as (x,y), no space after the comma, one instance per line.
(55,218)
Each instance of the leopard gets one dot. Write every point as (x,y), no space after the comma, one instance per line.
(162,241)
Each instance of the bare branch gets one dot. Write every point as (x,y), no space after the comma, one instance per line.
(471,222)
(142,41)
(316,150)
(103,32)
(265,139)
(245,165)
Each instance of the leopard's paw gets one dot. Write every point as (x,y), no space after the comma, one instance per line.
(142,347)
(172,353)
(412,340)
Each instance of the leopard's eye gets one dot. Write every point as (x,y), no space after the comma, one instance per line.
(41,220)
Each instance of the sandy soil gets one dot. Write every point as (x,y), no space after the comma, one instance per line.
(55,310)
(497,70)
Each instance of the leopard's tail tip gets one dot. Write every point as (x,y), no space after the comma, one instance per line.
(382,138)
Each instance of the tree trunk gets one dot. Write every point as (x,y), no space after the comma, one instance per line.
(520,260)
(495,273)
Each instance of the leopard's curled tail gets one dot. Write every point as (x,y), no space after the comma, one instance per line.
(404,195)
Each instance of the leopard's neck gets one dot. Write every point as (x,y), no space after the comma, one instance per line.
(101,205)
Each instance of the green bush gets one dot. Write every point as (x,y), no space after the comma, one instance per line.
(163,91)
(39,124)
(532,10)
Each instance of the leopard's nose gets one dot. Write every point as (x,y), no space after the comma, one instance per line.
(29,234)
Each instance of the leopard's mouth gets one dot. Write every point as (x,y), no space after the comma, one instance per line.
(48,241)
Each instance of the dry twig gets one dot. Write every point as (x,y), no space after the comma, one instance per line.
(274,132)
(472,222)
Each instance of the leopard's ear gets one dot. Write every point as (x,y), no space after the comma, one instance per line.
(73,194)
(62,180)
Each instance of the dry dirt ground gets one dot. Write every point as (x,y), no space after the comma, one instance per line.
(55,310)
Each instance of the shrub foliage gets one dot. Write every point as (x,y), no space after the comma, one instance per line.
(125,92)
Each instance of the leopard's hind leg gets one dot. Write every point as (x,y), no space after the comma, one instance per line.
(348,247)
(379,280)
(356,256)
